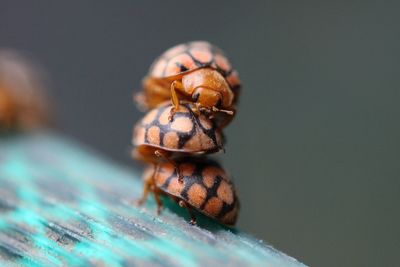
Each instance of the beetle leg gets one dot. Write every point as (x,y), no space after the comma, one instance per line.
(213,110)
(229,112)
(189,209)
(162,154)
(175,85)
(145,193)
(196,108)
(148,185)
(210,111)
(158,200)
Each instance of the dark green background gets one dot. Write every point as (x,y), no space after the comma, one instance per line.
(314,149)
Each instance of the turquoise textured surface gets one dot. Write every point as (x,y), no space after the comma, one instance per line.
(62,204)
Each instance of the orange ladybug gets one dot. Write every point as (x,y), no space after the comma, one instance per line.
(206,188)
(197,72)
(23,103)
(7,111)
(156,136)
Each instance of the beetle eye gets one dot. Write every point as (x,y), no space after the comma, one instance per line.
(195,96)
(219,103)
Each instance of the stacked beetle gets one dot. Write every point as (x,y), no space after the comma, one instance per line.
(24,103)
(190,95)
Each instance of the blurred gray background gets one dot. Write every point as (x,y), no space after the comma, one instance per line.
(314,149)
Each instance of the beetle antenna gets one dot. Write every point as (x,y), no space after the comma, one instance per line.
(229,112)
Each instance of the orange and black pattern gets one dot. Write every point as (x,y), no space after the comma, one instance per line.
(186,132)
(181,137)
(206,187)
(191,56)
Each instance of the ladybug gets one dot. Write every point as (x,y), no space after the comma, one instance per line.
(7,110)
(23,104)
(206,188)
(197,72)
(156,136)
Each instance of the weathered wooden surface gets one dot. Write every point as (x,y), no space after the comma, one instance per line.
(61,205)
